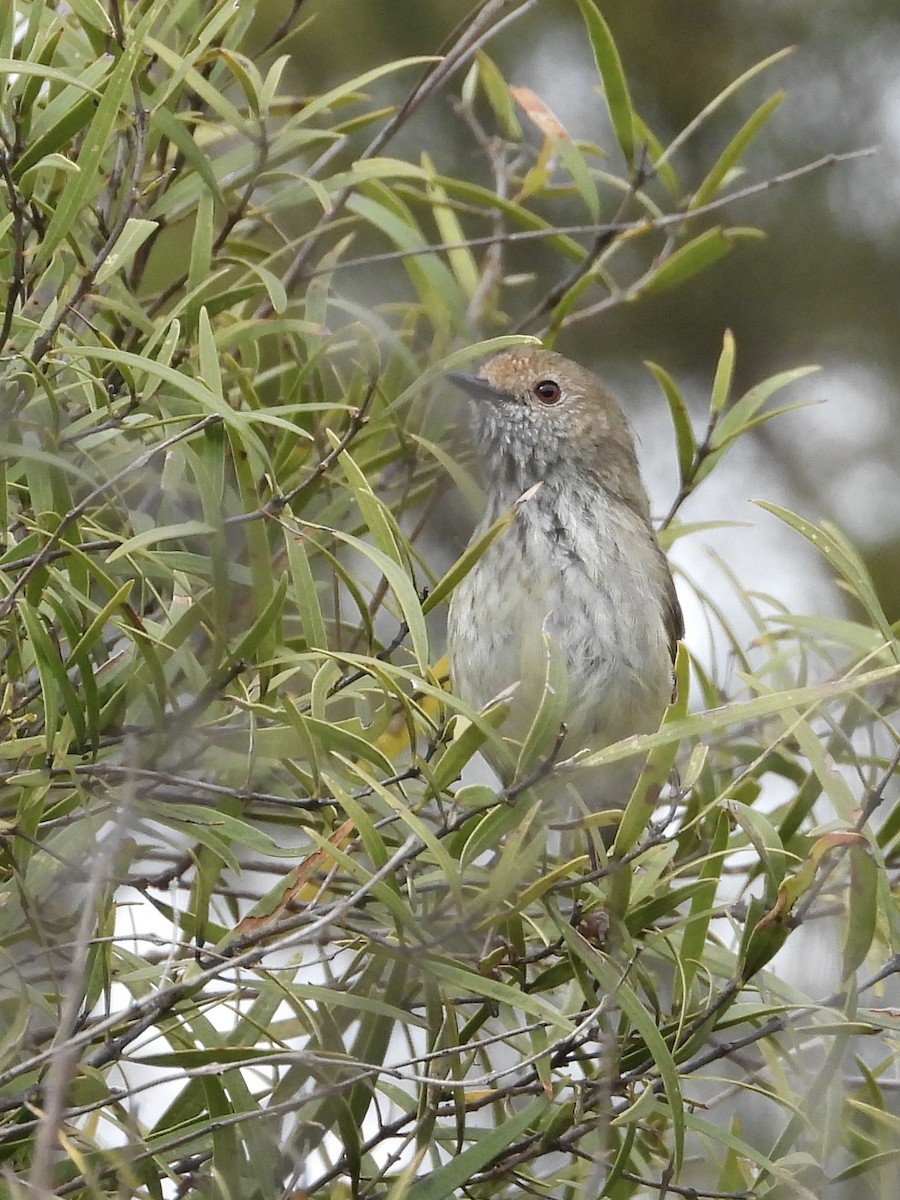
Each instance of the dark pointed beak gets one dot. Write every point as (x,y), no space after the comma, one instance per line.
(477,389)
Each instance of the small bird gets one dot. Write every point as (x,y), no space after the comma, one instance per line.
(578,574)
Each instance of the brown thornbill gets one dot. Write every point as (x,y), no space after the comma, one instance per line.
(578,575)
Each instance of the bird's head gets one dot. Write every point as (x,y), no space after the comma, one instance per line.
(538,411)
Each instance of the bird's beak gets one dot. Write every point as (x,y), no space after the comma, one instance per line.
(478,389)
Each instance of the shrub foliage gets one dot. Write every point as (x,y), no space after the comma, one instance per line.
(257,938)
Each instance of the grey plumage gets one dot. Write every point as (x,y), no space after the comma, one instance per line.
(579,573)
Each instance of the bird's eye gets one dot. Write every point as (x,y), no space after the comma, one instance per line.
(547,391)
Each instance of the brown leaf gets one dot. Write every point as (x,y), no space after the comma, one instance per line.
(294,882)
(537,111)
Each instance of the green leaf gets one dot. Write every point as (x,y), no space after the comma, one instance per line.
(192,388)
(467,560)
(663,169)
(271,82)
(275,290)
(84,645)
(845,560)
(209,357)
(230,829)
(655,773)
(498,95)
(738,418)
(863,902)
(606,56)
(716,1134)
(693,939)
(763,936)
(721,388)
(80,188)
(572,157)
(453,1175)
(127,244)
(305,593)
(378,518)
(549,718)
(53,137)
(248,77)
(685,442)
(201,243)
(732,153)
(716,103)
(435,284)
(57,692)
(465,744)
(10,66)
(698,254)
(715,719)
(462,260)
(263,632)
(833,783)
(764,838)
(343,91)
(402,587)
(177,133)
(92,13)
(163,533)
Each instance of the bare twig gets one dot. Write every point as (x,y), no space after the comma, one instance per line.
(692,1193)
(777,1024)
(876,796)
(644,225)
(541,771)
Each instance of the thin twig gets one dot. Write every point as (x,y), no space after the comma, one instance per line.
(777,1025)
(691,1192)
(541,771)
(276,504)
(604,238)
(186,783)
(644,225)
(494,149)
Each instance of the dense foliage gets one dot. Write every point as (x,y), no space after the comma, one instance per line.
(257,938)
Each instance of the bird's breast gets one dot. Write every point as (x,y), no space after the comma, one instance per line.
(575,579)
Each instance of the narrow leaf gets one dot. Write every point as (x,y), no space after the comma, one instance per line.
(846,562)
(700,253)
(731,155)
(606,56)
(721,389)
(80,188)
(127,244)
(645,795)
(685,442)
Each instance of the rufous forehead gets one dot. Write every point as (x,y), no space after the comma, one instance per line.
(509,369)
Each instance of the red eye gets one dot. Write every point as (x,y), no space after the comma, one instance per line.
(547,391)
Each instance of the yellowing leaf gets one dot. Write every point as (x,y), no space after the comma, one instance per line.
(539,114)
